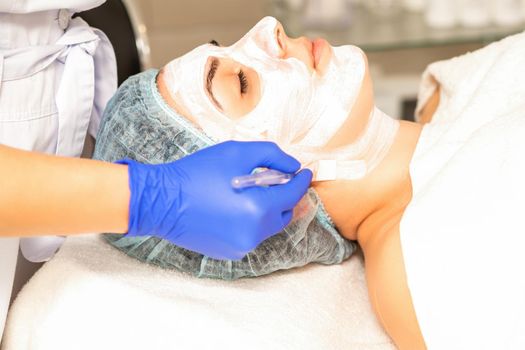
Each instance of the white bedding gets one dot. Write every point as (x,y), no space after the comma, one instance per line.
(463,234)
(91,296)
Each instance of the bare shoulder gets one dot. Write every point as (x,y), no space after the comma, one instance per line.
(385,269)
(428,110)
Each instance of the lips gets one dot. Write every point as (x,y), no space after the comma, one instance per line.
(319,47)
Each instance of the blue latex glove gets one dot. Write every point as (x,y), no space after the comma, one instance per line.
(191,202)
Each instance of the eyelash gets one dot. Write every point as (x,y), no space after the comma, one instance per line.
(243,82)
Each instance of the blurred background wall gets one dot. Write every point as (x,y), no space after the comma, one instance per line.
(177,26)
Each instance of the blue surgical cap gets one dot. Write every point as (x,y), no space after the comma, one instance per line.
(138,124)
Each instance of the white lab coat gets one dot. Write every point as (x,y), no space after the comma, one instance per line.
(56,76)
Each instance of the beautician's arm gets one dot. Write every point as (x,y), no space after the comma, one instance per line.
(42,194)
(189,202)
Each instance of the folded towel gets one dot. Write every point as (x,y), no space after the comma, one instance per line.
(462,234)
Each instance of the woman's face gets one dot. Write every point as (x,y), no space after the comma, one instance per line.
(236,88)
(269,86)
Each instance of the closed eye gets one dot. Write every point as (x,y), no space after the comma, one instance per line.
(243,81)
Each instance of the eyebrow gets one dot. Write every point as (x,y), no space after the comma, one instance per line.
(209,80)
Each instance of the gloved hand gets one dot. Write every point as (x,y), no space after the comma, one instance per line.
(191,202)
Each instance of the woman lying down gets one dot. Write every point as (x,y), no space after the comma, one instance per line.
(435,208)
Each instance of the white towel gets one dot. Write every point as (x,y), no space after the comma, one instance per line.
(463,235)
(91,296)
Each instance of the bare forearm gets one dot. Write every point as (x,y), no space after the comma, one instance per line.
(42,194)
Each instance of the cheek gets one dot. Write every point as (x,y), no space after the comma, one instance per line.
(226,92)
(284,105)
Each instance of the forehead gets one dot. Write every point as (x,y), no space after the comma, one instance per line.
(256,40)
(199,56)
(188,71)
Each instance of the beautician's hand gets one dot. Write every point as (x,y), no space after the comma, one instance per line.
(191,202)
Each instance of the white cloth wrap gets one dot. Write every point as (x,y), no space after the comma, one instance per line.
(463,234)
(92,296)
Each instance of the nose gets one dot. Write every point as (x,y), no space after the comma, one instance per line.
(299,48)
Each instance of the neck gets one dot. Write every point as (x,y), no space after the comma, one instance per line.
(369,206)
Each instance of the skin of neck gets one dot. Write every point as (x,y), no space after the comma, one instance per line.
(366,208)
(360,209)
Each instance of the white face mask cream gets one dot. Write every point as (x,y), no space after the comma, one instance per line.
(299,110)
